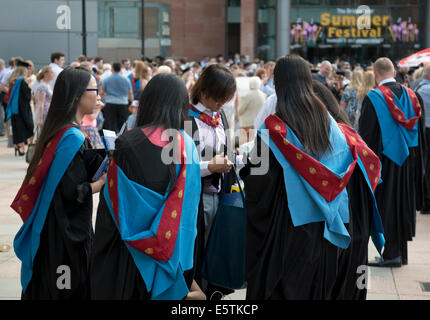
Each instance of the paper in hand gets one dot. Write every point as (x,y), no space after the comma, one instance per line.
(109,138)
(102,169)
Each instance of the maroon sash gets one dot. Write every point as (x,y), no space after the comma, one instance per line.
(395,111)
(27,195)
(326,183)
(162,245)
(211,121)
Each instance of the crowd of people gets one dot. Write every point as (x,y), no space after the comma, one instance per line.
(338,143)
(254,79)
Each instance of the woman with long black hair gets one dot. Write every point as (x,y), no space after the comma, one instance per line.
(355,257)
(146,220)
(55,199)
(297,211)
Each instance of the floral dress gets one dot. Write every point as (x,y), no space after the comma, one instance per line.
(43,87)
(350,98)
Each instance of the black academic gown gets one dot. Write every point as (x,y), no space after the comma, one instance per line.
(356,255)
(22,123)
(114,275)
(67,234)
(287,262)
(401,193)
(426,195)
(283,261)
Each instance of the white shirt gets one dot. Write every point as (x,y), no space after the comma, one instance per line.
(213,137)
(57,69)
(268,108)
(2,72)
(126,72)
(5,75)
(386,81)
(106,74)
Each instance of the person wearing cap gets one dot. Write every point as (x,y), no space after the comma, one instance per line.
(18,107)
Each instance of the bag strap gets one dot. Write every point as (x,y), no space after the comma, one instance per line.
(36,134)
(223,191)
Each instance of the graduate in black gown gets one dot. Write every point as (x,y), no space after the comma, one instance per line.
(424,90)
(55,200)
(19,109)
(360,209)
(118,270)
(391,124)
(293,248)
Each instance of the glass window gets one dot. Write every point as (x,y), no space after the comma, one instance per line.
(125,23)
(233,3)
(123,19)
(266,30)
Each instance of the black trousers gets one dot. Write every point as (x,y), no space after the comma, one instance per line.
(427,176)
(115,115)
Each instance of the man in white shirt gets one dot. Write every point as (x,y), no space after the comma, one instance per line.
(6,74)
(57,63)
(126,67)
(98,63)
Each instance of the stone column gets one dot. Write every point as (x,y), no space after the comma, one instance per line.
(283,13)
(427,26)
(248,28)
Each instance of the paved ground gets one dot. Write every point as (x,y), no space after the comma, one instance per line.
(385,283)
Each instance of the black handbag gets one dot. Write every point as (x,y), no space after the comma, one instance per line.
(224,260)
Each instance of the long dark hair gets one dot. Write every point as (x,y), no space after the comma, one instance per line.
(68,90)
(330,101)
(216,82)
(163,103)
(298,105)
